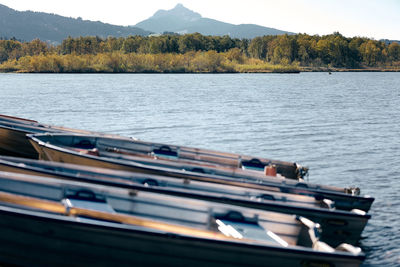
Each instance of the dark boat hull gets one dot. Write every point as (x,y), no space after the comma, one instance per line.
(39,239)
(14,142)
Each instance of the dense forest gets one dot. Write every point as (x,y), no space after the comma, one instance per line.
(199,53)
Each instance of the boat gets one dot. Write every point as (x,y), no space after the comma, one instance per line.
(92,150)
(13,131)
(58,222)
(13,141)
(339,226)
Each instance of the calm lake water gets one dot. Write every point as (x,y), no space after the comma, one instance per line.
(345,126)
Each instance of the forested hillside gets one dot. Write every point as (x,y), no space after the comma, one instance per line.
(29,25)
(199,53)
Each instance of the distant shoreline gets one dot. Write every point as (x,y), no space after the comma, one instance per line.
(304,70)
(195,53)
(307,69)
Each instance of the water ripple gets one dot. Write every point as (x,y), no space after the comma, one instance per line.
(345,126)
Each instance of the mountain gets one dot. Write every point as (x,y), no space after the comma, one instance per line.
(28,25)
(183,20)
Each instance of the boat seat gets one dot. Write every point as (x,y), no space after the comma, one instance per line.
(253,164)
(165,151)
(85,144)
(87,200)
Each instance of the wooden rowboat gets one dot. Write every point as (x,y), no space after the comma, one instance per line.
(339,226)
(60,222)
(92,150)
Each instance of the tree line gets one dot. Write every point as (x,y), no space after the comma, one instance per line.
(198,53)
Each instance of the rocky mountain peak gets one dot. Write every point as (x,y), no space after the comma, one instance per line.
(179,11)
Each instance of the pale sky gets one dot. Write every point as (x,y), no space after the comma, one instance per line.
(378,19)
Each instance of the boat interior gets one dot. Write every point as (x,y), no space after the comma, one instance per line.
(180,211)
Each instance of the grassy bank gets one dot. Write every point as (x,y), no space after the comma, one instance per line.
(191,62)
(115,62)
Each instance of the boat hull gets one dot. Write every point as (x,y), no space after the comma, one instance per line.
(55,240)
(14,142)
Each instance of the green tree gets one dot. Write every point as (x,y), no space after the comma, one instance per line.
(191,42)
(131,44)
(35,47)
(394,51)
(370,53)
(257,48)
(10,49)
